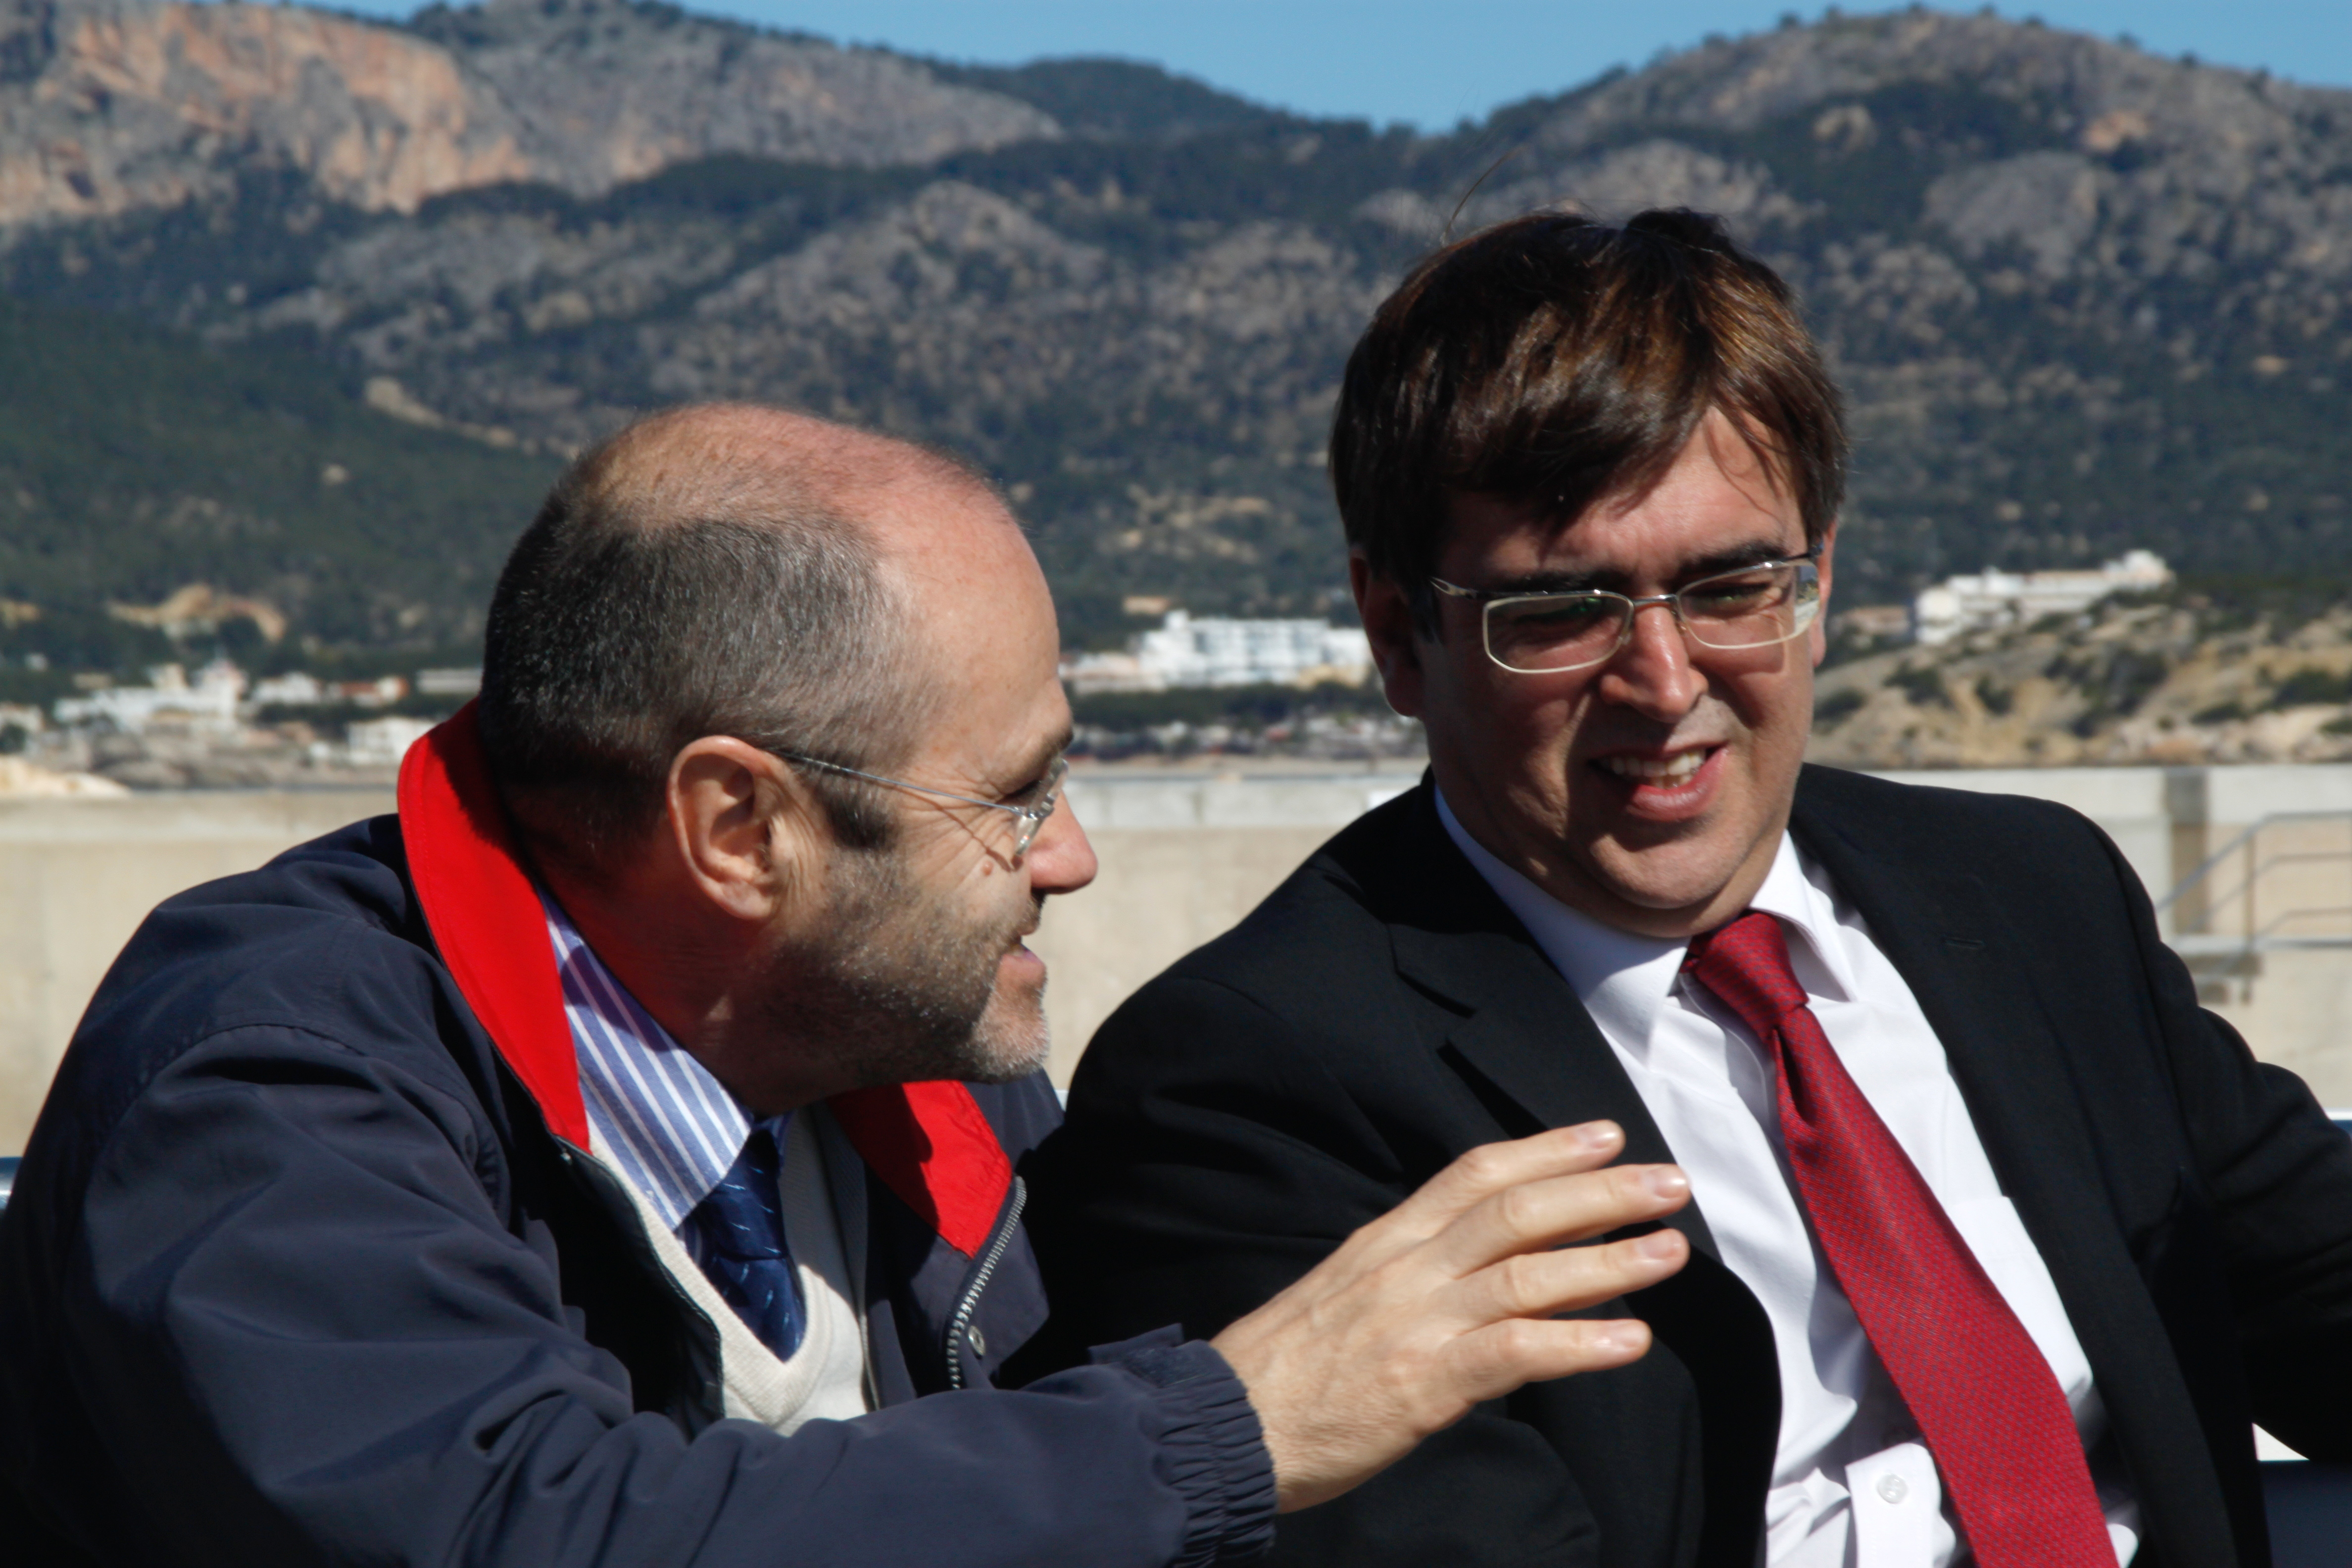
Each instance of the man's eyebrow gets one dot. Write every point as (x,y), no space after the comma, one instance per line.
(1732,558)
(1756,552)
(1033,767)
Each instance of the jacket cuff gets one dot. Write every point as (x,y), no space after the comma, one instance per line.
(1213,1451)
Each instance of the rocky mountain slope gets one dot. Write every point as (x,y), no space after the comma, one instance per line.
(2082,298)
(111,106)
(2229,670)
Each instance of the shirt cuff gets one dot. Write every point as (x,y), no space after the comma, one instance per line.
(1213,1449)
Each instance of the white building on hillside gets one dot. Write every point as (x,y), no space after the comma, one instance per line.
(1213,651)
(383,741)
(208,705)
(1993,598)
(295,689)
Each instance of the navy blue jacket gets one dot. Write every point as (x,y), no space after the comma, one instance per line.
(307,1263)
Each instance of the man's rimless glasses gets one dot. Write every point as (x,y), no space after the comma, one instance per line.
(1546,633)
(1030,807)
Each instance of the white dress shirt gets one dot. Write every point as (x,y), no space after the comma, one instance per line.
(1853,1484)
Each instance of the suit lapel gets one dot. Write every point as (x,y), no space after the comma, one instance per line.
(1945,934)
(1518,1023)
(1973,975)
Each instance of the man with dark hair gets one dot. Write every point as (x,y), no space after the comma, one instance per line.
(597,1161)
(2000,1244)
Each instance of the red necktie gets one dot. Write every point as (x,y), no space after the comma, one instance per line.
(1985,1399)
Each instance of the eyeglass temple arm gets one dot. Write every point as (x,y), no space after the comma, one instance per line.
(1034,814)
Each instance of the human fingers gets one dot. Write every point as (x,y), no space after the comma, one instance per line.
(1562,1209)
(1503,1356)
(1355,1362)
(1545,1284)
(1491,1168)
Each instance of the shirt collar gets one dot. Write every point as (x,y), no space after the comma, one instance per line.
(656,1114)
(1797,891)
(1625,979)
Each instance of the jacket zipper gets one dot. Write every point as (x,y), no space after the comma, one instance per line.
(959,1325)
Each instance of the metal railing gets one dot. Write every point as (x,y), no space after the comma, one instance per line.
(2271,885)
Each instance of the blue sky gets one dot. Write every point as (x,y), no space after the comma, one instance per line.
(1432,62)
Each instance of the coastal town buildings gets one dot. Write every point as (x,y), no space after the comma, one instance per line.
(1217,651)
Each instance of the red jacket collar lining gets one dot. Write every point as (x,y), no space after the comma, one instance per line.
(928,1143)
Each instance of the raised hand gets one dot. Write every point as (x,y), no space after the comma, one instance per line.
(1450,1299)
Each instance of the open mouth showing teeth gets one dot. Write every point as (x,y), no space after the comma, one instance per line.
(1674,769)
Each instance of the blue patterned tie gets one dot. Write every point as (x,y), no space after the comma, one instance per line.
(742,1227)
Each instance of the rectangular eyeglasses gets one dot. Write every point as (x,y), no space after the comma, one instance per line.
(1546,633)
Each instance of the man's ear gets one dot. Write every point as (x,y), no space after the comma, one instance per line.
(1817,638)
(1387,615)
(747,831)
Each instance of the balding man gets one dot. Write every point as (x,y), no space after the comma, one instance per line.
(599,1160)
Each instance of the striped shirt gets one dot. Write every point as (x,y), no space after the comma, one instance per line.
(656,1115)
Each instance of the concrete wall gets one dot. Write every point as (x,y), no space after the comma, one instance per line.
(1183,857)
(78,876)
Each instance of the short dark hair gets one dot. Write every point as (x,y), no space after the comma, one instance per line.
(616,637)
(1557,361)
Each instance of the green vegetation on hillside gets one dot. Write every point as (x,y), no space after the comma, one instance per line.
(134,461)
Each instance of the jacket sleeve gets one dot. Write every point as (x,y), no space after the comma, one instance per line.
(2273,1183)
(1208,1161)
(302,1332)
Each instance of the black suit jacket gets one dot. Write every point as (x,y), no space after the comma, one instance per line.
(1383,1011)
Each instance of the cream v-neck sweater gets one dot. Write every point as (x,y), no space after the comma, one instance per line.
(825,1379)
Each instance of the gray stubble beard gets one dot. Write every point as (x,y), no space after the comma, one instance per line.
(900,992)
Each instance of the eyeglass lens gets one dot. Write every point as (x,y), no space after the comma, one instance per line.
(1543,633)
(1036,804)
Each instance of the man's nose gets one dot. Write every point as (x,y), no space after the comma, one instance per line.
(1652,674)
(1061,859)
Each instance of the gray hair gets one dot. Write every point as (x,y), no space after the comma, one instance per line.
(664,595)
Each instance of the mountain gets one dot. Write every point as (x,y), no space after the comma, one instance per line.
(113,106)
(137,463)
(2082,298)
(2240,668)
